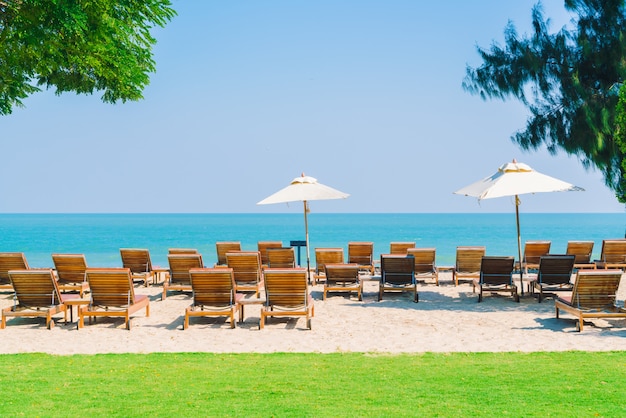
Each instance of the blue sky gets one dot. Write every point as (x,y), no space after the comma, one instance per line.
(363,95)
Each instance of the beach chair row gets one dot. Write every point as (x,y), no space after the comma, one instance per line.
(344,277)
(214,291)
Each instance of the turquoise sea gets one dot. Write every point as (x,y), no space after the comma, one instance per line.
(100,236)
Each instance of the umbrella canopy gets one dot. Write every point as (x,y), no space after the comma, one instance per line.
(514,179)
(303,189)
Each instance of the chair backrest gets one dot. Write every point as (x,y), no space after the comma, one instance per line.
(533,250)
(361,253)
(400,247)
(11,261)
(70,268)
(223,247)
(424,259)
(343,273)
(596,289)
(180,264)
(213,286)
(286,287)
(613,250)
(469,259)
(246,266)
(496,270)
(182,251)
(263,246)
(581,250)
(35,288)
(281,257)
(397,269)
(325,256)
(556,269)
(111,287)
(136,259)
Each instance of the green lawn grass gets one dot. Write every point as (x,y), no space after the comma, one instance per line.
(342,384)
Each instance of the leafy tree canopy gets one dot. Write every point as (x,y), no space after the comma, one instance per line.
(77,45)
(569,80)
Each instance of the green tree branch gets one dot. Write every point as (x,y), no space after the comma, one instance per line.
(569,80)
(78,45)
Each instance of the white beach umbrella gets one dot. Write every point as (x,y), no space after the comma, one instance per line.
(514,179)
(303,189)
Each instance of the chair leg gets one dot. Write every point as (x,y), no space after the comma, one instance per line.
(580,324)
(186,321)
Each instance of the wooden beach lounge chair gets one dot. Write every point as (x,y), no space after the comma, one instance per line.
(112,294)
(223,247)
(613,255)
(468,261)
(284,257)
(287,294)
(247,271)
(400,247)
(397,274)
(593,296)
(178,279)
(139,263)
(182,251)
(555,274)
(343,278)
(325,256)
(213,294)
(70,270)
(496,275)
(581,250)
(263,246)
(362,253)
(533,251)
(37,295)
(10,261)
(425,267)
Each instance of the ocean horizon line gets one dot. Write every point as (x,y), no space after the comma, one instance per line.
(310,213)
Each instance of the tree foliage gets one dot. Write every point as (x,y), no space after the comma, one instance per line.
(77,45)
(569,80)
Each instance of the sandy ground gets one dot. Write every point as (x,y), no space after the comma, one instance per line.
(446,319)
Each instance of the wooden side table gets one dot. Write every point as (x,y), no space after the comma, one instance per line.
(248,301)
(75,302)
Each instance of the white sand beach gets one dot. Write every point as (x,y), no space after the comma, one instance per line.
(446,319)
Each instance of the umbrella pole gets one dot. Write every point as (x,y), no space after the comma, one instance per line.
(519,244)
(306,232)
